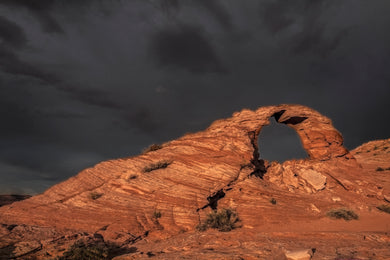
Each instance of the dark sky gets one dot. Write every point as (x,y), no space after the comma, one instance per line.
(86,81)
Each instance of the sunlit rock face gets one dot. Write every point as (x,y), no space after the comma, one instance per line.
(171,188)
(202,167)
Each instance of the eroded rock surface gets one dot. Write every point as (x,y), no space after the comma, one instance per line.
(168,191)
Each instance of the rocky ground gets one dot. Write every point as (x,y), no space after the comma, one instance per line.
(152,205)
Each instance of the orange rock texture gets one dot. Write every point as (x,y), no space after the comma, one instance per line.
(167,191)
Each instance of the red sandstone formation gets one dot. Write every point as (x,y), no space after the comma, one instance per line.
(220,167)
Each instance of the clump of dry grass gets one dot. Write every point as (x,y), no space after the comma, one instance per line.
(155,166)
(95,195)
(384,208)
(343,213)
(82,250)
(156,214)
(224,220)
(153,147)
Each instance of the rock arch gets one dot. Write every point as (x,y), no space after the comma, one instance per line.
(208,169)
(280,143)
(319,138)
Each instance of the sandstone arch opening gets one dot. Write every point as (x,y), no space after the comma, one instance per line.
(279,142)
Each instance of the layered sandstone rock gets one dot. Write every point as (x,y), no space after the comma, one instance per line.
(170,190)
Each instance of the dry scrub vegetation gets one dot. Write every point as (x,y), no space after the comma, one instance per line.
(151,148)
(155,166)
(343,213)
(224,220)
(384,208)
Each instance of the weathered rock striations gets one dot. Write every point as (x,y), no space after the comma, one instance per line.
(220,167)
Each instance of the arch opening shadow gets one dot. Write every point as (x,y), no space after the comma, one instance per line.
(278,142)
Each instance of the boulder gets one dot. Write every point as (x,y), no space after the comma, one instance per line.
(304,254)
(314,178)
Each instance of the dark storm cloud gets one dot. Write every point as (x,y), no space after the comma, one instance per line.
(168,7)
(213,8)
(41,10)
(90,96)
(185,47)
(303,18)
(11,34)
(313,40)
(275,16)
(13,39)
(19,121)
(11,63)
(116,76)
(218,11)
(141,118)
(278,15)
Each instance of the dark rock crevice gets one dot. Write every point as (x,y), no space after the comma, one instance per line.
(277,115)
(259,167)
(213,200)
(294,120)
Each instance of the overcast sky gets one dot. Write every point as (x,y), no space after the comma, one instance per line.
(86,81)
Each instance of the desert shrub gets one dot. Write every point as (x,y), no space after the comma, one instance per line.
(224,220)
(384,208)
(380,169)
(153,147)
(155,166)
(94,250)
(156,214)
(82,250)
(273,201)
(346,214)
(95,195)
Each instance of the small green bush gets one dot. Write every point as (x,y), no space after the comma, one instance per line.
(380,169)
(155,166)
(346,214)
(224,220)
(95,195)
(273,201)
(153,147)
(384,208)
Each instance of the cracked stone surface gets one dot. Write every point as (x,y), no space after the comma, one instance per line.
(218,167)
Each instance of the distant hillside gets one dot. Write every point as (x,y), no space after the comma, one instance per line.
(8,199)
